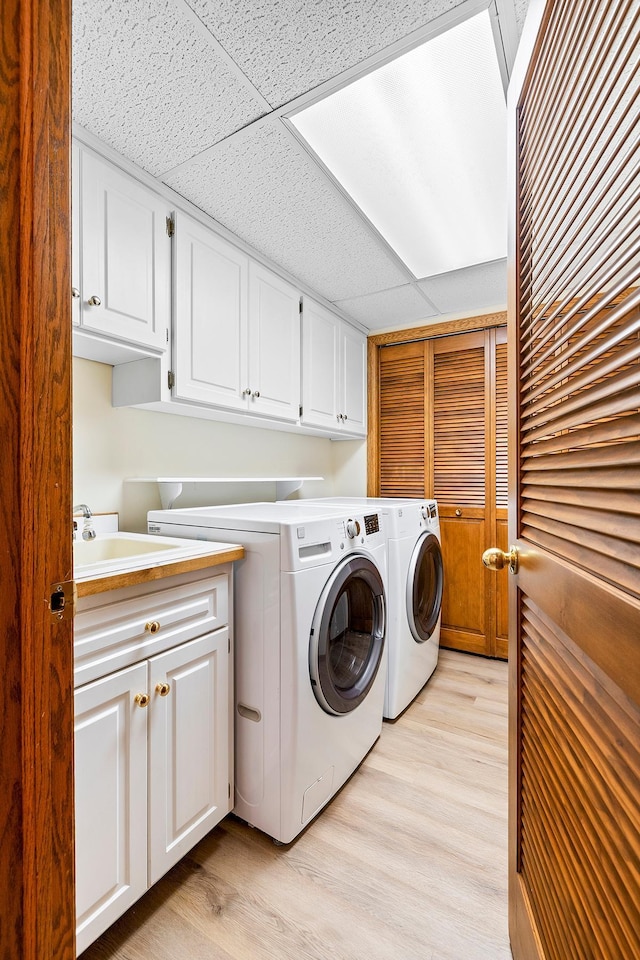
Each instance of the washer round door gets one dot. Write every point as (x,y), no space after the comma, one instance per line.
(347,635)
(424,587)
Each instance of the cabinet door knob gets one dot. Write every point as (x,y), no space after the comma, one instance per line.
(458,512)
(94,301)
(163,689)
(142,699)
(75,293)
(247,392)
(344,416)
(152,626)
(256,394)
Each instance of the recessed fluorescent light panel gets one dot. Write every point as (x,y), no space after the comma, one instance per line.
(420,146)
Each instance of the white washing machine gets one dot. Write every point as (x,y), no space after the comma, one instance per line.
(414,598)
(310,659)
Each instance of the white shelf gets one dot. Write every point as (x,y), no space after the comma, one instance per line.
(171,487)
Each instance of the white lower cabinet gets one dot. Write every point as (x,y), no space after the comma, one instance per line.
(153,759)
(189,783)
(111,800)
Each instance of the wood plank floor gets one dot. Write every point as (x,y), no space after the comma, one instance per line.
(408,861)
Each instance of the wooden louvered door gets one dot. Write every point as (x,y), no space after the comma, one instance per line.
(575,600)
(443,434)
(466,472)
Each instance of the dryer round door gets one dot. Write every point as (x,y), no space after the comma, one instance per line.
(424,587)
(347,635)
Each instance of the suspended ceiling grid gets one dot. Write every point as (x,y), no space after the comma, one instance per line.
(194,93)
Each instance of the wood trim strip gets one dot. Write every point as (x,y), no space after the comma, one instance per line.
(89,588)
(443,329)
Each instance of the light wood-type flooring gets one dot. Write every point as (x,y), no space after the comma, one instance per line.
(409,861)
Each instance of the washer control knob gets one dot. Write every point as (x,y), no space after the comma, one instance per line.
(353,529)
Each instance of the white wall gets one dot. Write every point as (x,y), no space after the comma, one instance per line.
(111,443)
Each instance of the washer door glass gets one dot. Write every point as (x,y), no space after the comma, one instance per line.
(424,587)
(347,635)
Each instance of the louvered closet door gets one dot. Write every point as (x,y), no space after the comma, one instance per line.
(467,467)
(443,434)
(575,609)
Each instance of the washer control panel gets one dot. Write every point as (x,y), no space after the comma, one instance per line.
(371,524)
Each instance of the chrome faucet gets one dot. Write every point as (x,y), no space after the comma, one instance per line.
(88,531)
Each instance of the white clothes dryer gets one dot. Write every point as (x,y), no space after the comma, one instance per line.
(414,598)
(310,660)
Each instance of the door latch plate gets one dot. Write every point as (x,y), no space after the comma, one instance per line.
(62,601)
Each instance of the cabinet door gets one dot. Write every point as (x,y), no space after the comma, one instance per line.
(76,239)
(189,769)
(320,359)
(353,381)
(111,800)
(210,324)
(126,256)
(274,345)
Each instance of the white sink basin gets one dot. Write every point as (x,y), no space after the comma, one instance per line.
(121,552)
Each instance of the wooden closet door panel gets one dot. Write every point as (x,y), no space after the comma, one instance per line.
(458,417)
(464,616)
(501,494)
(402,375)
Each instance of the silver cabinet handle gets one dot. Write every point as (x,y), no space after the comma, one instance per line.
(256,394)
(75,293)
(247,392)
(94,301)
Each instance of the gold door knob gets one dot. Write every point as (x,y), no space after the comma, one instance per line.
(496,559)
(163,689)
(152,626)
(142,699)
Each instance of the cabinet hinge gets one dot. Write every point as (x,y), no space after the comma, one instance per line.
(229,790)
(300,304)
(300,414)
(171,226)
(171,379)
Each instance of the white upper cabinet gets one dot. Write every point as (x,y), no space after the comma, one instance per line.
(210,321)
(352,394)
(76,282)
(124,254)
(236,328)
(274,345)
(334,378)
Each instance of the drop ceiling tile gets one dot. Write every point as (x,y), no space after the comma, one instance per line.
(393,307)
(521,12)
(473,288)
(261,187)
(146,81)
(287,47)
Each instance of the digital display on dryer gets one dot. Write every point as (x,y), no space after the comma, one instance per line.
(371,524)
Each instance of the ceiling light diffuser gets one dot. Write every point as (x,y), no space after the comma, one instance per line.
(420,146)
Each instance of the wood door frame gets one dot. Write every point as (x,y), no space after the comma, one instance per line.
(429,331)
(36,682)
